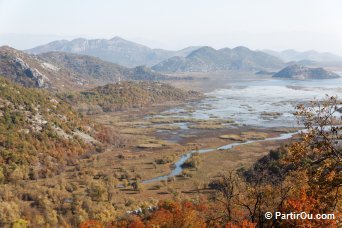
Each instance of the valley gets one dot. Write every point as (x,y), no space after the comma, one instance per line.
(84,139)
(156,137)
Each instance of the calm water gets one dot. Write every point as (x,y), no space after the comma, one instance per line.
(250,103)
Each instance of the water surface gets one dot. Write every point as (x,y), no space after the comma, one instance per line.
(267,103)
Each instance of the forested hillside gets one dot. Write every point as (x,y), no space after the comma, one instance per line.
(38,133)
(119,96)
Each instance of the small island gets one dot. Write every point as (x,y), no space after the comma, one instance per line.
(299,72)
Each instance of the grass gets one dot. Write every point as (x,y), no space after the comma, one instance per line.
(167,127)
(232,137)
(149,145)
(244,136)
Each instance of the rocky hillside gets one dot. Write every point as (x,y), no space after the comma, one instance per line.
(38,133)
(63,71)
(97,70)
(119,96)
(207,59)
(34,72)
(301,73)
(115,50)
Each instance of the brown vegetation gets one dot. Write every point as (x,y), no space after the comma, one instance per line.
(120,96)
(105,190)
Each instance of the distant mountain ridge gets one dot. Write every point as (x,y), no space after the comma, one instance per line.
(299,72)
(207,59)
(293,55)
(116,50)
(191,59)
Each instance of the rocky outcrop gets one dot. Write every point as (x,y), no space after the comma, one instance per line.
(31,71)
(18,66)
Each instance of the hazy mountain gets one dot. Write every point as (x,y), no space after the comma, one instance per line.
(311,63)
(292,55)
(207,59)
(186,51)
(116,50)
(301,73)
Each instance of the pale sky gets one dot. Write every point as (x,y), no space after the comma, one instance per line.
(175,24)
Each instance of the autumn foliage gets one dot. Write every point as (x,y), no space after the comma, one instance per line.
(185,214)
(40,138)
(91,224)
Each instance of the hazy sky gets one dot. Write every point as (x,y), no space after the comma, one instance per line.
(175,24)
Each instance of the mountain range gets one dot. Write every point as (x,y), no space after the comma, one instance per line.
(207,59)
(82,63)
(293,55)
(116,50)
(190,59)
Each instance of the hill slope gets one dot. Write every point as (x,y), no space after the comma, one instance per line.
(116,50)
(301,73)
(95,69)
(38,132)
(207,59)
(67,71)
(33,72)
(119,96)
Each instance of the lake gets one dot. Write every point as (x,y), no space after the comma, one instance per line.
(262,103)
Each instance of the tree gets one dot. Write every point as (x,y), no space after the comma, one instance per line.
(2,176)
(225,187)
(90,224)
(309,204)
(177,214)
(20,223)
(96,191)
(319,151)
(9,212)
(136,185)
(137,223)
